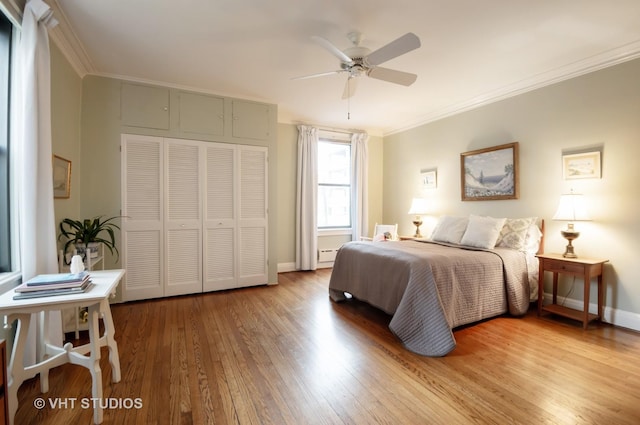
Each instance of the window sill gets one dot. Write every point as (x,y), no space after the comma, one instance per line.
(9,281)
(334,232)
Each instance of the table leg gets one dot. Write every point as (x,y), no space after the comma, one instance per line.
(17,374)
(109,334)
(600,298)
(94,362)
(555,288)
(42,339)
(540,288)
(587,290)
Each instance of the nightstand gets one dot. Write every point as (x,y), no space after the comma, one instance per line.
(586,268)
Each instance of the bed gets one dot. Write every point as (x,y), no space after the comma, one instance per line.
(472,268)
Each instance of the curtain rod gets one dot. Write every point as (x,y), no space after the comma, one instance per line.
(336,130)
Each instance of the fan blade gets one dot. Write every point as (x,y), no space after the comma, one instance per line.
(320,74)
(331,48)
(400,46)
(392,76)
(350,88)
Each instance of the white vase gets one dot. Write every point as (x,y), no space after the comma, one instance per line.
(77,265)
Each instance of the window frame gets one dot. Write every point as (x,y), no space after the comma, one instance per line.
(10,278)
(343,139)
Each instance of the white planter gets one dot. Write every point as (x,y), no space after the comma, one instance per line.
(92,248)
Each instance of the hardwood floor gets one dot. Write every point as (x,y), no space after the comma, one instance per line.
(286,354)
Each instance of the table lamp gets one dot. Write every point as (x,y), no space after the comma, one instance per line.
(418,208)
(572,208)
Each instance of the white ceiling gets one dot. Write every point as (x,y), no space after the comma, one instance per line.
(472,52)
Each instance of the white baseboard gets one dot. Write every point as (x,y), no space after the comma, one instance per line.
(624,319)
(325,265)
(286,267)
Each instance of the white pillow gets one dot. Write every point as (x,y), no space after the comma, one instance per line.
(449,229)
(514,233)
(482,232)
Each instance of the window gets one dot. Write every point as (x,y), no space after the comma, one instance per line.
(334,184)
(6,29)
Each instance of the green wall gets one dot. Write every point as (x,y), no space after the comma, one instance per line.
(597,111)
(101,130)
(66,104)
(66,113)
(287,160)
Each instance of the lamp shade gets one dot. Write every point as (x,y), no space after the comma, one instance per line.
(572,207)
(419,206)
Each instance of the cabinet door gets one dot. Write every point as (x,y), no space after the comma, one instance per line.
(183,222)
(142,225)
(250,120)
(220,211)
(145,106)
(252,216)
(201,114)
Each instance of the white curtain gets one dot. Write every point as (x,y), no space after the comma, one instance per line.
(306,199)
(359,201)
(38,250)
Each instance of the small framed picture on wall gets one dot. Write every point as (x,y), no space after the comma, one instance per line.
(581,166)
(61,177)
(429,179)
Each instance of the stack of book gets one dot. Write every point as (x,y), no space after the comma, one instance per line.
(46,285)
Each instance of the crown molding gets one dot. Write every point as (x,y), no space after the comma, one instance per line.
(607,59)
(67,41)
(13,9)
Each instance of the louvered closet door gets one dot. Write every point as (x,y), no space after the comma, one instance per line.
(183,220)
(252,216)
(142,225)
(220,210)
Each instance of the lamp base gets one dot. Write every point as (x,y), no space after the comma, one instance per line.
(569,235)
(417,223)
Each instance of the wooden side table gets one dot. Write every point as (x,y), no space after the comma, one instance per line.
(586,268)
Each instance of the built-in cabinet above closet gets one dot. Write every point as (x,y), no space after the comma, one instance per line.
(195,115)
(145,106)
(196,216)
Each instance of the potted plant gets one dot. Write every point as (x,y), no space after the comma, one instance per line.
(87,234)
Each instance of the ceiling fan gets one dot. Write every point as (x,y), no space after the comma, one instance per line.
(358,60)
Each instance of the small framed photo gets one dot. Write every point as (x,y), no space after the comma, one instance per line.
(429,179)
(61,177)
(490,173)
(581,166)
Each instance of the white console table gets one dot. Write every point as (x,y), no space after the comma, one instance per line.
(97,300)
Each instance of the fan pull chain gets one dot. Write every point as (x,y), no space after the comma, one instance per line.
(349,98)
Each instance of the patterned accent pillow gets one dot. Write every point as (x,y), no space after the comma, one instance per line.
(532,242)
(514,233)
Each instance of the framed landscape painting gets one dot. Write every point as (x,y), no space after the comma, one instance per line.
(490,173)
(581,166)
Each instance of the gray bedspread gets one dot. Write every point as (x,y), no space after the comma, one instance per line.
(431,288)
